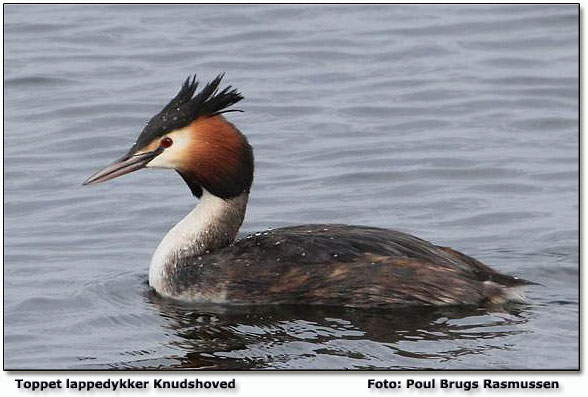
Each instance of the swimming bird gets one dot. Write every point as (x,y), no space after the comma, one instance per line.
(200,260)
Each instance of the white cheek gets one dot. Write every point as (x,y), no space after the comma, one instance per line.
(172,156)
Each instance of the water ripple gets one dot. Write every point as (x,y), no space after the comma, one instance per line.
(458,123)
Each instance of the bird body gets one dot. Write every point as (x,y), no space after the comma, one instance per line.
(334,265)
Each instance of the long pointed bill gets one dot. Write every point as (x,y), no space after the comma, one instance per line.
(123,166)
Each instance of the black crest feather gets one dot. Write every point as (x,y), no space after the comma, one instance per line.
(186,107)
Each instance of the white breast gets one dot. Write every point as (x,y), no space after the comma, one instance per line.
(213,222)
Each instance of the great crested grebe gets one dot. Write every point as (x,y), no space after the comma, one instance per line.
(337,265)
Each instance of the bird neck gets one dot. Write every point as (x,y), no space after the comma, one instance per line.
(212,224)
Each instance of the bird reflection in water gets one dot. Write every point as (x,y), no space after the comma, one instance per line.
(302,337)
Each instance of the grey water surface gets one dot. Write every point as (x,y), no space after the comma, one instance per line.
(458,124)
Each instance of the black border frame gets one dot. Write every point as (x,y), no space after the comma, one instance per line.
(378,371)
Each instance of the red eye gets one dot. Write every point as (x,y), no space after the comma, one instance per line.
(166,142)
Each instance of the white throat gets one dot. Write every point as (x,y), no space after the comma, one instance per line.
(213,223)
